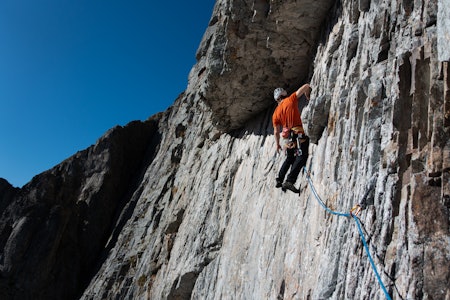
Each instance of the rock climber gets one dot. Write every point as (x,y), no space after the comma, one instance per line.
(286,119)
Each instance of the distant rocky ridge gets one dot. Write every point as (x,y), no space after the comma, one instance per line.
(53,230)
(184,205)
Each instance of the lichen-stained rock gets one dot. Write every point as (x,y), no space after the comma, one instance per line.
(387,116)
(280,39)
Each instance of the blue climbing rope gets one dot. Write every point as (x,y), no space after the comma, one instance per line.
(358,224)
(322,203)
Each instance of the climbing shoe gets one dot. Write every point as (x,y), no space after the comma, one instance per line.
(290,186)
(279,183)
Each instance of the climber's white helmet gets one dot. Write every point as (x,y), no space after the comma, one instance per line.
(279,92)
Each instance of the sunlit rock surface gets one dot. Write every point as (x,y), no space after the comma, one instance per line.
(184,205)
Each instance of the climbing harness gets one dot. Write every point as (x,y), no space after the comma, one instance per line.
(352,214)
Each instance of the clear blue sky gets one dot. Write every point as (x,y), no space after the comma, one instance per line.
(72,69)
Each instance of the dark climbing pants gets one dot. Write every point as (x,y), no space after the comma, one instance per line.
(295,162)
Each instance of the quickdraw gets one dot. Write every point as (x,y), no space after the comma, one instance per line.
(352,214)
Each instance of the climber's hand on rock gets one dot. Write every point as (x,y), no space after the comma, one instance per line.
(278,148)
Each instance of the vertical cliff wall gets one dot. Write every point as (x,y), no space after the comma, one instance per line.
(184,205)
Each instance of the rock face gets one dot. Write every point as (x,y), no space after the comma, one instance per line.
(184,205)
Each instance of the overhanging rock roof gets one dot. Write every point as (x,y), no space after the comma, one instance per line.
(247,52)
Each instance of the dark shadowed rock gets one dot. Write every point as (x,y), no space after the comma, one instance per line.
(54,229)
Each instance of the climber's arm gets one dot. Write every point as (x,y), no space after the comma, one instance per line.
(276,133)
(304,89)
